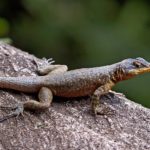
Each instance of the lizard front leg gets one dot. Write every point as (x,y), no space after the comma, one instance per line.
(104,89)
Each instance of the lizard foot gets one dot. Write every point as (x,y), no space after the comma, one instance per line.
(44,67)
(18,111)
(104,110)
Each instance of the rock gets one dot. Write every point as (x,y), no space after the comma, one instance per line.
(68,124)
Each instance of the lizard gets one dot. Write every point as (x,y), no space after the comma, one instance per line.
(56,80)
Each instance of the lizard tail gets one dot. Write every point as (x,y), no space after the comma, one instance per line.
(23,84)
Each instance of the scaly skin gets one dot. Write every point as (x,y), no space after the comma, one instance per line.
(56,80)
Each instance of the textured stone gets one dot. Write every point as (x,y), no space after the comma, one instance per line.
(68,124)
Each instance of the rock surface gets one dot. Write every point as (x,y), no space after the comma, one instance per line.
(68,124)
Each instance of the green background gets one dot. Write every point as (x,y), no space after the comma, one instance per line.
(82,33)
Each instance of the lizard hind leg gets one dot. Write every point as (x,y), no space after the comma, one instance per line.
(52,69)
(45,98)
(18,110)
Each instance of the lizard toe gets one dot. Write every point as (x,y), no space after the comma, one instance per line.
(18,111)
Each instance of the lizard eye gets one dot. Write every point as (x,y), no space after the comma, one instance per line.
(137,64)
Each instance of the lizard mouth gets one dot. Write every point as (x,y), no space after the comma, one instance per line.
(139,71)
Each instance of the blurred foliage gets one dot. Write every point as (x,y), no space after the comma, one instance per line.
(6,40)
(4,27)
(82,33)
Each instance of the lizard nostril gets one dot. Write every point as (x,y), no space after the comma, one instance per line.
(147,65)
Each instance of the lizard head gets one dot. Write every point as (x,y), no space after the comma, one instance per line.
(136,66)
(133,67)
(129,68)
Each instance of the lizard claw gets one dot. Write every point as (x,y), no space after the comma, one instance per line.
(19,111)
(50,60)
(43,68)
(104,110)
(47,61)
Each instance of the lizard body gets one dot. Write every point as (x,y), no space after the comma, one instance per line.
(74,83)
(56,80)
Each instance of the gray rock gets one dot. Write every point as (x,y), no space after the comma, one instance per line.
(68,124)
